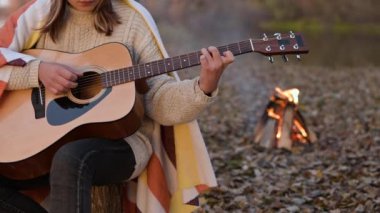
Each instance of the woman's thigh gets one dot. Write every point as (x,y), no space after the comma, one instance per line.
(104,161)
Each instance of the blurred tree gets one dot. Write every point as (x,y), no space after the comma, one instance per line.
(351,11)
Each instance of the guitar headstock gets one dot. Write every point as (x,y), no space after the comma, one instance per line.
(281,44)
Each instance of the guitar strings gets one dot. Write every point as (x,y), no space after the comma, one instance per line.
(92,77)
(88,81)
(94,80)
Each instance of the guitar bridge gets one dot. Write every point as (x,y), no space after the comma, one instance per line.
(38,102)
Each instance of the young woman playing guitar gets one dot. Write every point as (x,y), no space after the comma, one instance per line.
(74,26)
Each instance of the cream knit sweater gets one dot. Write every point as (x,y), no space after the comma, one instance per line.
(167,102)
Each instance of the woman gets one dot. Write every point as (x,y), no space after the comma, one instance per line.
(79,25)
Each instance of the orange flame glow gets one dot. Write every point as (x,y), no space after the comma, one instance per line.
(282,98)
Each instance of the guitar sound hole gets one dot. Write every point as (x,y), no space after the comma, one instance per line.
(89,85)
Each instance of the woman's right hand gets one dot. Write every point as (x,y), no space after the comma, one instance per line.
(57,78)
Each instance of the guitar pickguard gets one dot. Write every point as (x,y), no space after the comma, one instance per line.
(62,110)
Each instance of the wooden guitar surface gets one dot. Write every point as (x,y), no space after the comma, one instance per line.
(24,140)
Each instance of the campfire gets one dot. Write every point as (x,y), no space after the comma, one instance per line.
(282,125)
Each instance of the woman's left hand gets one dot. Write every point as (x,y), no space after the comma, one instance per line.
(212,67)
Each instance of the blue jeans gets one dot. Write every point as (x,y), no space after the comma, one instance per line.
(76,167)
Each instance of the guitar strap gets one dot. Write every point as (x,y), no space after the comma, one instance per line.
(180,167)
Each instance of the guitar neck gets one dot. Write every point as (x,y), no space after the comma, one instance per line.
(281,44)
(140,71)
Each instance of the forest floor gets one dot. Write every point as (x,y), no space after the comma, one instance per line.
(338,173)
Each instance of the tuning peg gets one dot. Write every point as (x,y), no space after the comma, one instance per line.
(285,58)
(298,57)
(265,37)
(292,35)
(278,36)
(271,60)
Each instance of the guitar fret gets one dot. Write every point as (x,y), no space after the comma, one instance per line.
(188,56)
(180,62)
(184,61)
(130,73)
(113,78)
(104,80)
(138,71)
(135,72)
(161,66)
(155,68)
(134,68)
(171,60)
(123,74)
(114,82)
(234,48)
(194,59)
(168,65)
(119,76)
(147,70)
(124,79)
(177,63)
(222,49)
(149,67)
(108,78)
(245,46)
(142,71)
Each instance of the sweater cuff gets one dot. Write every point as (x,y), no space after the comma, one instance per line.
(33,73)
(200,96)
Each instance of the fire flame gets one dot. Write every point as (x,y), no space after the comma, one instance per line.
(284,97)
(291,95)
(282,124)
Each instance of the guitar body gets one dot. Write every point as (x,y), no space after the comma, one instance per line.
(27,143)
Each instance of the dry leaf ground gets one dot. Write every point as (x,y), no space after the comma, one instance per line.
(339,173)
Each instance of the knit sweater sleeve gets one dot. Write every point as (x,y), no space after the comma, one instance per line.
(23,77)
(168,101)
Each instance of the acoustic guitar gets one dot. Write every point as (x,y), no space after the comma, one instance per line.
(35,123)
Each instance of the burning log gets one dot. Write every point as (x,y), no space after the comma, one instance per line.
(282,125)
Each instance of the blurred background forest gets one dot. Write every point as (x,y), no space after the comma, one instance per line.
(340,99)
(350,29)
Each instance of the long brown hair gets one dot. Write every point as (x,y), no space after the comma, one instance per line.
(105,18)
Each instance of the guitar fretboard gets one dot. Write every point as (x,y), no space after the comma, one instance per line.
(140,71)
